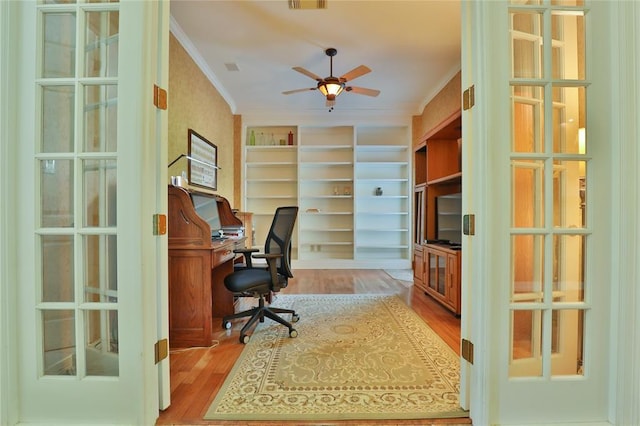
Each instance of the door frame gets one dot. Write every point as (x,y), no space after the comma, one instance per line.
(8,335)
(625,298)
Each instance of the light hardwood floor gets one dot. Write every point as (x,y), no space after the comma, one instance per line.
(197,374)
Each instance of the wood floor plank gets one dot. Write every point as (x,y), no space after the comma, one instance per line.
(198,374)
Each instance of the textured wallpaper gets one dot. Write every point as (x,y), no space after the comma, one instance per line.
(445,103)
(194,103)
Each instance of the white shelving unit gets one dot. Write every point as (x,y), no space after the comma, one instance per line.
(326,186)
(270,179)
(382,202)
(331,173)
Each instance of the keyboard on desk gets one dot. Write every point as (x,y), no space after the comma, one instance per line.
(223,238)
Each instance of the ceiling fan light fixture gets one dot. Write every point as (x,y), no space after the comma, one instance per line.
(330,88)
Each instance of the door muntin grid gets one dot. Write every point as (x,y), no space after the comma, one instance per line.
(549,242)
(76,158)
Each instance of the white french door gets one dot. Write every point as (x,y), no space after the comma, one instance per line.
(88,162)
(541,337)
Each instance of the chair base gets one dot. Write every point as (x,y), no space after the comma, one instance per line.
(258,314)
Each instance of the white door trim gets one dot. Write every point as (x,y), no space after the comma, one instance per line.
(8,189)
(485,246)
(625,116)
(162,246)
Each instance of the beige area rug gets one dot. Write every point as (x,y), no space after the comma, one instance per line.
(356,357)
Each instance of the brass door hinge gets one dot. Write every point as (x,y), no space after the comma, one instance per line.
(159,97)
(467,350)
(469,224)
(161,349)
(468,98)
(159,224)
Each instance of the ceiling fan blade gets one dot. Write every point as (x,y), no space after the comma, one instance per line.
(308,73)
(288,92)
(354,73)
(362,91)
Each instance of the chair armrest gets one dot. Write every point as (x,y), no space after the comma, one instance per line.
(271,261)
(246,252)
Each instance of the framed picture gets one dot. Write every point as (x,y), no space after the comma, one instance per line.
(203,162)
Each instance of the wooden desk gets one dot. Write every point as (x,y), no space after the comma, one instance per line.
(197,268)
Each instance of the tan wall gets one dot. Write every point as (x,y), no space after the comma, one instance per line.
(445,103)
(194,103)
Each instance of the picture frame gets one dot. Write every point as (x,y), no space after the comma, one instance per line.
(202,162)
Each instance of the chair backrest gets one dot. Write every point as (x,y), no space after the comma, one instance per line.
(279,237)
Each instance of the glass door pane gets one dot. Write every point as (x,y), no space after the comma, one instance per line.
(548,203)
(77,153)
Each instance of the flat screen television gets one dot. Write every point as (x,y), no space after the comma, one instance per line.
(449,218)
(207,208)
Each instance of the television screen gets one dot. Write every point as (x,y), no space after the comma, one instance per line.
(207,209)
(449,218)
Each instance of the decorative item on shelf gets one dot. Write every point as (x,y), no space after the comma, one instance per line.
(290,138)
(261,138)
(378,191)
(336,191)
(283,142)
(252,138)
(347,190)
(272,141)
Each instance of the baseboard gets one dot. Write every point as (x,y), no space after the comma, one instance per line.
(351,264)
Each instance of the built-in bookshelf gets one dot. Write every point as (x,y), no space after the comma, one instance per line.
(270,178)
(382,202)
(437,214)
(351,184)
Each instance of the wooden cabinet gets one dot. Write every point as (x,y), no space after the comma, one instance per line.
(418,267)
(442,275)
(437,212)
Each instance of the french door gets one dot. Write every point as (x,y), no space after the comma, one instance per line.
(88,156)
(541,337)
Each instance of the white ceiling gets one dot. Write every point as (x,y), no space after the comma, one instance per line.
(412,48)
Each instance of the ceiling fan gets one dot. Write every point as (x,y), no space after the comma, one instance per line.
(332,86)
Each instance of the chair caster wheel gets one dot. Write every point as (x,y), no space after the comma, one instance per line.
(293,333)
(226,325)
(245,339)
(295,318)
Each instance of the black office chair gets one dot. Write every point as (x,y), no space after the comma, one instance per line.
(260,281)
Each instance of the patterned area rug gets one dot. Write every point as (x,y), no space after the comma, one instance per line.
(356,357)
